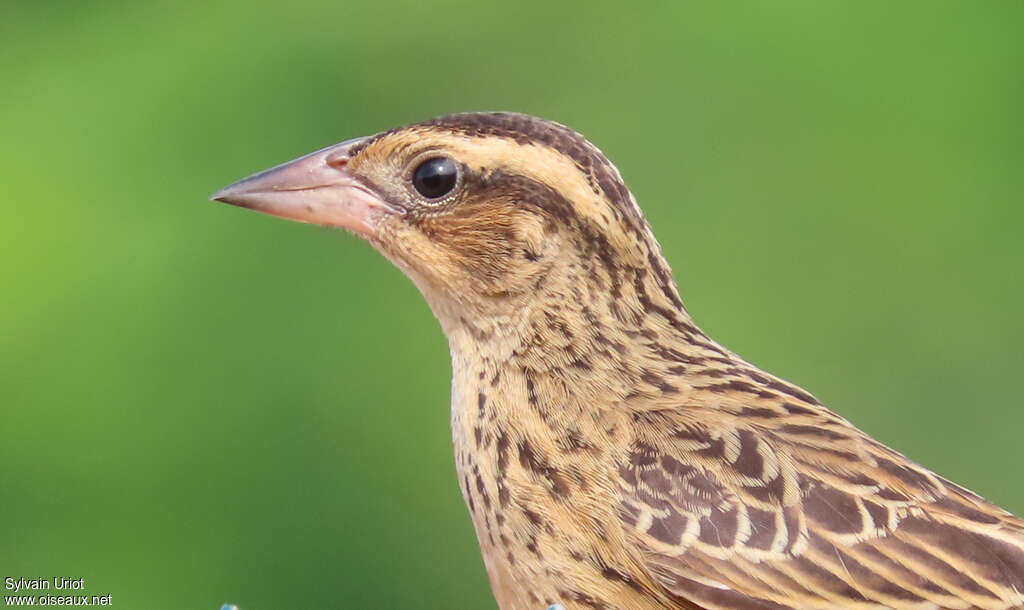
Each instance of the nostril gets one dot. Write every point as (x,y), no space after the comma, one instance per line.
(337,162)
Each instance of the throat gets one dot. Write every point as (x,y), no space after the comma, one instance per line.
(543,408)
(600,328)
(574,349)
(531,446)
(538,428)
(595,336)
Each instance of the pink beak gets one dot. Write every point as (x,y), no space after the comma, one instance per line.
(317,188)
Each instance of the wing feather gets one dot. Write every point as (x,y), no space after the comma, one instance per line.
(803,510)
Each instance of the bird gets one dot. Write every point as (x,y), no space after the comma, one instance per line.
(610,453)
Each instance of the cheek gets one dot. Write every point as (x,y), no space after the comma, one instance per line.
(486,252)
(489,254)
(503,256)
(443,259)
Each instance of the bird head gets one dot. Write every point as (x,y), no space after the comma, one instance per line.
(492,215)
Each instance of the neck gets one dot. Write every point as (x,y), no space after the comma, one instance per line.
(542,401)
(610,332)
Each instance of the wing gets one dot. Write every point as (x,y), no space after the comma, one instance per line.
(783,504)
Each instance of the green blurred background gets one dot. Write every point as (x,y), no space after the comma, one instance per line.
(200,404)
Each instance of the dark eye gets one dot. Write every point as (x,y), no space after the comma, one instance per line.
(435,178)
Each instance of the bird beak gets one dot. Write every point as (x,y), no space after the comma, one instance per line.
(317,189)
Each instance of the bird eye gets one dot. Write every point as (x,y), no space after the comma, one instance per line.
(435,178)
